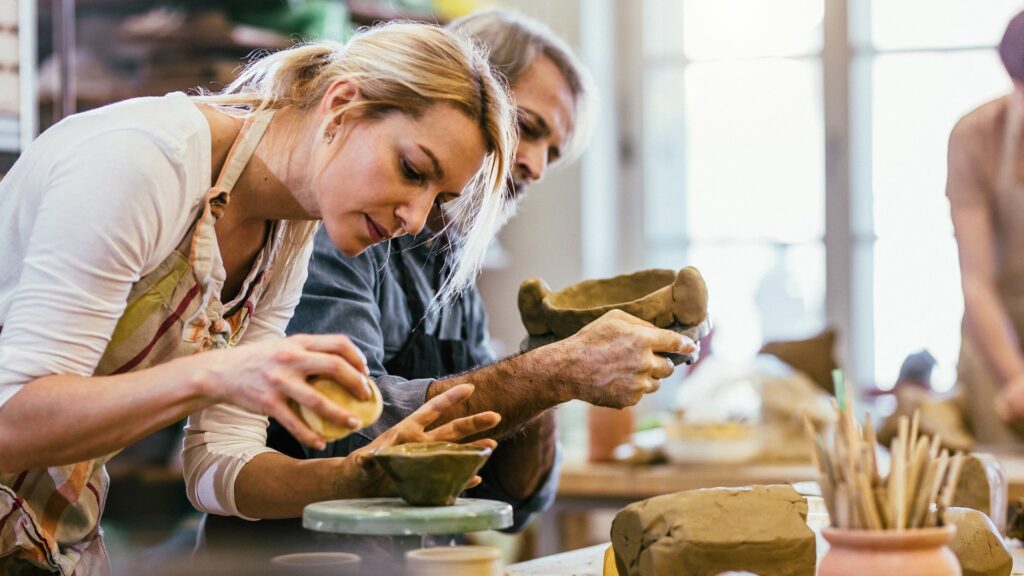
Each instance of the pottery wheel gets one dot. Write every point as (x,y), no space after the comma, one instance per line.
(393,517)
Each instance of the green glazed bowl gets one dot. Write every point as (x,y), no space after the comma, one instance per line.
(431,473)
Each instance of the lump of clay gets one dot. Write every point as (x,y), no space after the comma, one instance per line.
(977,544)
(661,297)
(982,486)
(759,529)
(367,411)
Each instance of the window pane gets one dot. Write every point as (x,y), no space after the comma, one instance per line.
(917,99)
(918,304)
(901,24)
(663,154)
(754,150)
(662,21)
(757,292)
(720,29)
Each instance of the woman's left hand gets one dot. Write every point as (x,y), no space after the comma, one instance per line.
(366,478)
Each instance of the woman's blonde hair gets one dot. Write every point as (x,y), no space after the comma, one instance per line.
(513,41)
(399,67)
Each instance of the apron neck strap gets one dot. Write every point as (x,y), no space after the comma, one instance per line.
(242,149)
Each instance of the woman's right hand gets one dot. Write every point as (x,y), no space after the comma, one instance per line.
(264,377)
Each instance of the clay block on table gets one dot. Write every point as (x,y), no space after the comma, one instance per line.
(759,529)
(977,544)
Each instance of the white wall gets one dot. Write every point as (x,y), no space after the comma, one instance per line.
(556,235)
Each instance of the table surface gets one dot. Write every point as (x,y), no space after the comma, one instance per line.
(625,482)
(590,562)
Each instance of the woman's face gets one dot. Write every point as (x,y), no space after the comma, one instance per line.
(380,178)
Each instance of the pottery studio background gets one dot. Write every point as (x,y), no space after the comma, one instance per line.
(793,150)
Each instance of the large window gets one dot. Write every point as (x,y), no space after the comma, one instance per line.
(918,66)
(735,150)
(734,160)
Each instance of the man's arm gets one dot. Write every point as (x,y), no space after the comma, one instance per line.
(520,471)
(612,362)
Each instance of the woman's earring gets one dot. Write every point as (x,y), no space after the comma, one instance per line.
(328,137)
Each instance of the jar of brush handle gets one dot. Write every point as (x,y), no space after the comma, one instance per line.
(918,551)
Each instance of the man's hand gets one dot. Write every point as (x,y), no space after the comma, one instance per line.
(618,360)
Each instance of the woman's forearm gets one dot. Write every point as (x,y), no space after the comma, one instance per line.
(273,485)
(62,419)
(989,326)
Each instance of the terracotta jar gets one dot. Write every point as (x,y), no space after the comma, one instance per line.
(921,552)
(607,428)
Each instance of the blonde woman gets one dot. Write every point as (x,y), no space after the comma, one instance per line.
(142,241)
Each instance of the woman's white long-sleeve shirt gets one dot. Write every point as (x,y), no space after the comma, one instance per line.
(92,206)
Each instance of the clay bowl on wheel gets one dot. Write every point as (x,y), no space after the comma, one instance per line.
(431,473)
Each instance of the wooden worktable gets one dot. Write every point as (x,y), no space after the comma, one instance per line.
(585,486)
(619,481)
(590,562)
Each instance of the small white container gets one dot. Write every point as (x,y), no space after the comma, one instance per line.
(454,561)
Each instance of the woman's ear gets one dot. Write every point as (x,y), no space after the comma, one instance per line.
(341,92)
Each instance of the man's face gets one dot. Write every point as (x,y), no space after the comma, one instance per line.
(546,115)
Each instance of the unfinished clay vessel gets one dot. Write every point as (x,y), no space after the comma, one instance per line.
(662,297)
(431,473)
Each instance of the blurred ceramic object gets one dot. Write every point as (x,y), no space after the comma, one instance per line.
(763,393)
(982,486)
(977,545)
(608,428)
(711,443)
(921,552)
(431,473)
(454,561)
(317,563)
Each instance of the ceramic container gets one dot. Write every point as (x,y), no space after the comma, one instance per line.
(317,564)
(606,429)
(712,443)
(431,473)
(454,561)
(921,552)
